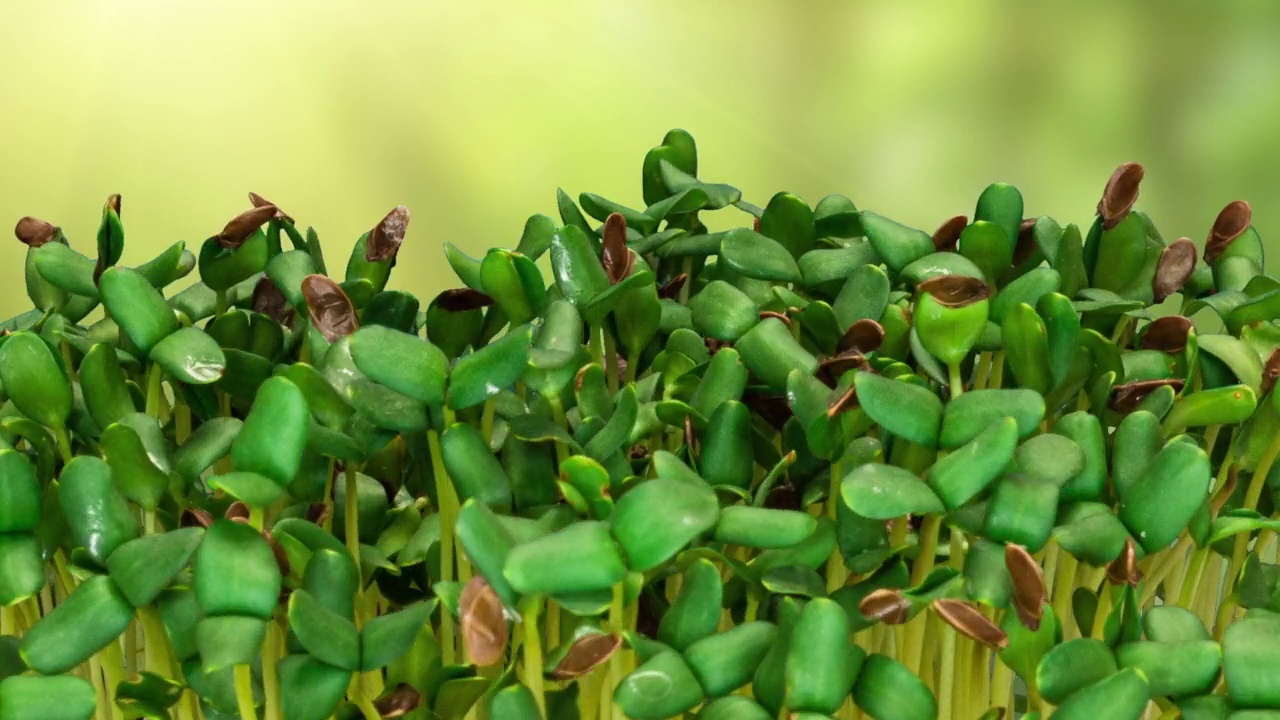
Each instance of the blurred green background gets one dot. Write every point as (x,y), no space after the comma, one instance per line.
(472,113)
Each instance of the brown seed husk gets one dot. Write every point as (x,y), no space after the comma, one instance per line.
(1271,371)
(399,702)
(1029,591)
(329,307)
(1230,224)
(34,232)
(1177,263)
(783,497)
(947,236)
(830,369)
(196,517)
(318,513)
(385,238)
(864,336)
(1126,398)
(269,301)
(887,605)
(113,202)
(1228,489)
(586,654)
(243,226)
(776,315)
(237,510)
(690,439)
(462,300)
(1124,569)
(970,622)
(847,400)
(771,407)
(1167,334)
(483,623)
(1026,245)
(282,559)
(955,291)
(670,290)
(1120,194)
(258,201)
(614,255)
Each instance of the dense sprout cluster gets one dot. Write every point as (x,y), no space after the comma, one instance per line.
(821,465)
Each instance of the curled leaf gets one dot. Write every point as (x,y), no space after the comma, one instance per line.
(1230,224)
(330,309)
(971,623)
(241,227)
(385,238)
(586,654)
(1120,194)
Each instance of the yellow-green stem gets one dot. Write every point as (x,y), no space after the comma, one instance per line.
(63,439)
(957,382)
(486,420)
(946,676)
(156,646)
(610,359)
(997,370)
(923,565)
(448,518)
(533,653)
(113,673)
(1063,587)
(837,573)
(1256,484)
(154,375)
(351,515)
(272,651)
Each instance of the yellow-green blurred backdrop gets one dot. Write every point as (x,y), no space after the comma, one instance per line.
(472,112)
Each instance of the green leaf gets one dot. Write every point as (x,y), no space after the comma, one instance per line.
(1072,666)
(753,255)
(96,513)
(725,661)
(402,362)
(137,307)
(722,311)
(489,370)
(329,637)
(387,637)
(309,688)
(65,269)
(191,356)
(20,493)
(689,511)
(819,668)
(22,571)
(579,558)
(973,412)
(897,244)
(966,472)
(62,697)
(864,296)
(661,687)
(274,435)
(676,180)
(1174,669)
(105,387)
(770,353)
(1123,696)
(887,689)
(233,550)
(909,411)
(789,220)
(1163,500)
(884,492)
(95,614)
(33,379)
(696,611)
(144,567)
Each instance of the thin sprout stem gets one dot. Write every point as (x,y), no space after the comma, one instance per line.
(533,653)
(610,358)
(486,420)
(351,516)
(113,672)
(946,676)
(63,439)
(957,382)
(154,393)
(448,518)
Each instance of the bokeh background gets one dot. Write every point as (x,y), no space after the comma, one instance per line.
(473,112)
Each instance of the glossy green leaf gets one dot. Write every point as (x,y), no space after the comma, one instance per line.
(329,637)
(309,688)
(22,572)
(401,361)
(1169,492)
(475,472)
(61,697)
(1073,665)
(96,513)
(1022,511)
(884,492)
(887,689)
(661,687)
(970,414)
(723,312)
(1123,696)
(896,244)
(696,611)
(579,558)
(33,379)
(753,255)
(387,637)
(863,296)
(966,472)
(485,372)
(576,266)
(1174,668)
(689,511)
(233,550)
(137,307)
